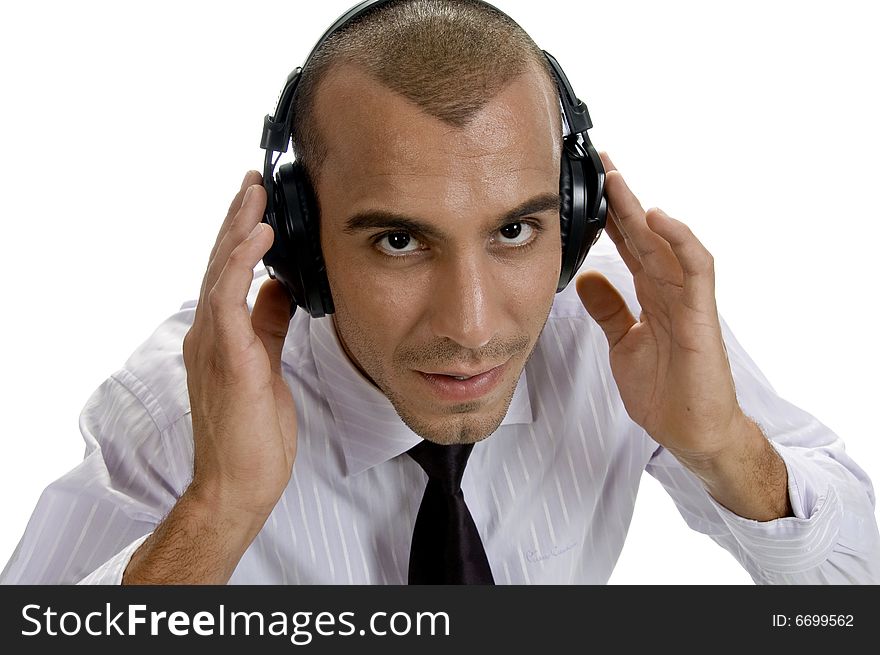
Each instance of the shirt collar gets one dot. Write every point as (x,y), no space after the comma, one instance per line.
(368,426)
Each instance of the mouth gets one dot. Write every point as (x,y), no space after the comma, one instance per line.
(461,386)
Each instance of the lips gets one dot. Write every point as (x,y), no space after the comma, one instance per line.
(462,373)
(480,383)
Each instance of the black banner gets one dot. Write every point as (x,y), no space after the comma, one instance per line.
(434,619)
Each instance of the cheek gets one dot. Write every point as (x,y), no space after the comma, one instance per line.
(531,286)
(376,296)
(539,293)
(382,301)
(375,314)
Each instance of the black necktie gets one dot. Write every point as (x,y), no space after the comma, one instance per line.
(446,547)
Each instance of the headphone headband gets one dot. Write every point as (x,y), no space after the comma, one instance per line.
(277,126)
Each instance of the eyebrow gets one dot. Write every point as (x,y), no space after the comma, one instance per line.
(380,218)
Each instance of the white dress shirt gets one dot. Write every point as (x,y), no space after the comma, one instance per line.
(552,491)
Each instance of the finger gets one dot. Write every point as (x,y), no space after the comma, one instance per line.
(249,214)
(228,296)
(606,161)
(624,246)
(271,319)
(653,252)
(696,262)
(612,228)
(605,304)
(250,178)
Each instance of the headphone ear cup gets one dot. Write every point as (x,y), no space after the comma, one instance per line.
(572,216)
(299,263)
(582,206)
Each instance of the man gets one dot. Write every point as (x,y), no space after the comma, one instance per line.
(240,444)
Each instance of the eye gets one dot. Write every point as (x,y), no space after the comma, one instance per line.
(517,235)
(398,243)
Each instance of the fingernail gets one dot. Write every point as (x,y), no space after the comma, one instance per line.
(244,181)
(247,195)
(258,229)
(661,212)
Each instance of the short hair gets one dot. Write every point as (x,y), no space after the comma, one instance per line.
(448,57)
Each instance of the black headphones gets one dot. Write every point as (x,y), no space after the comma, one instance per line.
(295,257)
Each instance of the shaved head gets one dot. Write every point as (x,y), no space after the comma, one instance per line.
(447,57)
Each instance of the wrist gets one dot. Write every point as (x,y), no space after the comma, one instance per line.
(747,476)
(742,440)
(200,541)
(238,517)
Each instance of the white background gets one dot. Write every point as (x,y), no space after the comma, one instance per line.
(126,128)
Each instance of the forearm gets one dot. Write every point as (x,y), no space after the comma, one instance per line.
(749,478)
(199,542)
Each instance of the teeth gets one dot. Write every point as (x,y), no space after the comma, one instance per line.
(462,377)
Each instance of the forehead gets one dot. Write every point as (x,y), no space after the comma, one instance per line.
(382,148)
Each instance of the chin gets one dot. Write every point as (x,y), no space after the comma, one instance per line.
(459,423)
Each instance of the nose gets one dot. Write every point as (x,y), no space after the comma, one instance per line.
(466,302)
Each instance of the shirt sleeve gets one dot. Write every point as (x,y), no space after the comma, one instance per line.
(110,572)
(89,522)
(832,537)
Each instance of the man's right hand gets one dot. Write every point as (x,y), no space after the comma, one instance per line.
(243,414)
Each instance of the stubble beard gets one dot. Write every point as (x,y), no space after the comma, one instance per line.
(460,425)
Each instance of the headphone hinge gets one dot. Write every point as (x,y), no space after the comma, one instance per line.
(275,136)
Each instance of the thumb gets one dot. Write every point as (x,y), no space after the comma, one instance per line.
(605,304)
(271,318)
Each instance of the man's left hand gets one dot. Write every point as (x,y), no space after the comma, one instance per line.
(670,365)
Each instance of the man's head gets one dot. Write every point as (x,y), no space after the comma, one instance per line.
(442,114)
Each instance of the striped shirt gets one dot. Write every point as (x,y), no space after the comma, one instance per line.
(552,491)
